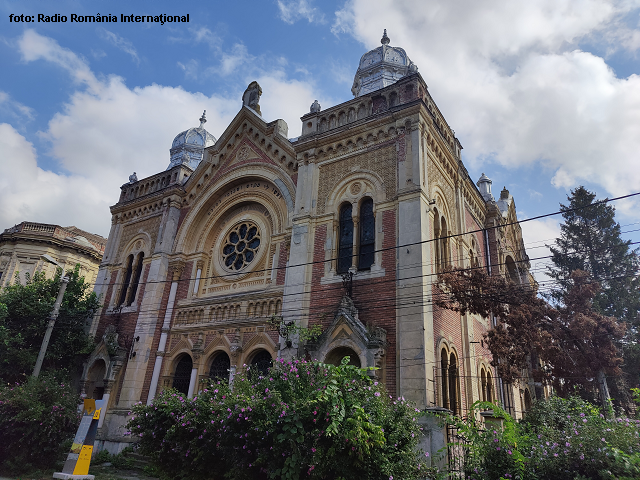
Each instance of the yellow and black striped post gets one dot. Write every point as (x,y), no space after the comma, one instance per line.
(79,458)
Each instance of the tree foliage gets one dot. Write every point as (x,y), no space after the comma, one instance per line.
(558,438)
(300,420)
(24,314)
(573,341)
(36,419)
(590,240)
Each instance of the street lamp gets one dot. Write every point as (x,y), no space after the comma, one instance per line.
(64,281)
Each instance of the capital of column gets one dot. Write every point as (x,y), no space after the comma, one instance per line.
(176,266)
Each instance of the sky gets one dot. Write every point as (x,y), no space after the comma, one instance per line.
(544,96)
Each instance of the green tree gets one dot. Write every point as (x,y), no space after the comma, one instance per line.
(24,313)
(590,240)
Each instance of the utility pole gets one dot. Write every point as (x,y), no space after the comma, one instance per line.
(64,281)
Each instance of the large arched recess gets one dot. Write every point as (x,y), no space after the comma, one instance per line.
(214,201)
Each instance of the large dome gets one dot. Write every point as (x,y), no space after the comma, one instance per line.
(188,146)
(381,67)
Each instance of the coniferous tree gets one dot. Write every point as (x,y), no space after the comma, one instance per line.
(590,240)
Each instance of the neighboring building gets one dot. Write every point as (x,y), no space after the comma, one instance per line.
(254,224)
(28,248)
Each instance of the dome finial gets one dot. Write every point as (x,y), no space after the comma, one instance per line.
(385,40)
(203,119)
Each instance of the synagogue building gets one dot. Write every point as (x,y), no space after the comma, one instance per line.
(346,226)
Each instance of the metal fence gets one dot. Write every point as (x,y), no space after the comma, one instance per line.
(456,451)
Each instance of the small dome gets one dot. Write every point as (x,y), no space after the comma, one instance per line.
(484,185)
(188,146)
(381,67)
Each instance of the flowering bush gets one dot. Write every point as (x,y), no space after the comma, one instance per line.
(301,420)
(558,438)
(36,419)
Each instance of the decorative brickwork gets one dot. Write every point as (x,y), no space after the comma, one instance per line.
(378,160)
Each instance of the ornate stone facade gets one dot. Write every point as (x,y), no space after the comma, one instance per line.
(32,247)
(373,191)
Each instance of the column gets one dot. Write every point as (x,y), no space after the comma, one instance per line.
(177,272)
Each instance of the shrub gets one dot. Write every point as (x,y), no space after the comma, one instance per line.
(36,419)
(301,420)
(558,438)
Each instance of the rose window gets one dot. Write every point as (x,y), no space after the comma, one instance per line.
(241,246)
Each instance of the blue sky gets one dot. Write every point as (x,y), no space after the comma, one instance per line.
(544,95)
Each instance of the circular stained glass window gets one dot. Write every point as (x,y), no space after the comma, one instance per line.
(241,246)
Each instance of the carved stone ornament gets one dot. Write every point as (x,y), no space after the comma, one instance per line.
(251,96)
(315,107)
(177,266)
(355,188)
(133,178)
(244,153)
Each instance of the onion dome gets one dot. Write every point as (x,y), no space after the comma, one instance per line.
(381,67)
(188,146)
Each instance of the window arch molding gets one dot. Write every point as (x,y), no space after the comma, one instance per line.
(511,270)
(193,235)
(449,394)
(363,191)
(442,228)
(181,368)
(135,255)
(474,253)
(486,383)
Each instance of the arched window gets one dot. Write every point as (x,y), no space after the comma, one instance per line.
(126,280)
(220,367)
(483,385)
(512,270)
(444,244)
(453,384)
(367,235)
(440,241)
(489,387)
(131,294)
(345,242)
(449,373)
(182,375)
(261,362)
(335,356)
(527,400)
(436,237)
(131,279)
(444,372)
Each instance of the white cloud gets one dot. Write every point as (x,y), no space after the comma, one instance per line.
(537,235)
(30,193)
(33,46)
(232,61)
(107,130)
(15,109)
(293,10)
(121,43)
(514,81)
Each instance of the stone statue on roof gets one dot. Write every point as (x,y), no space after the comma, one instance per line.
(251,97)
(133,178)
